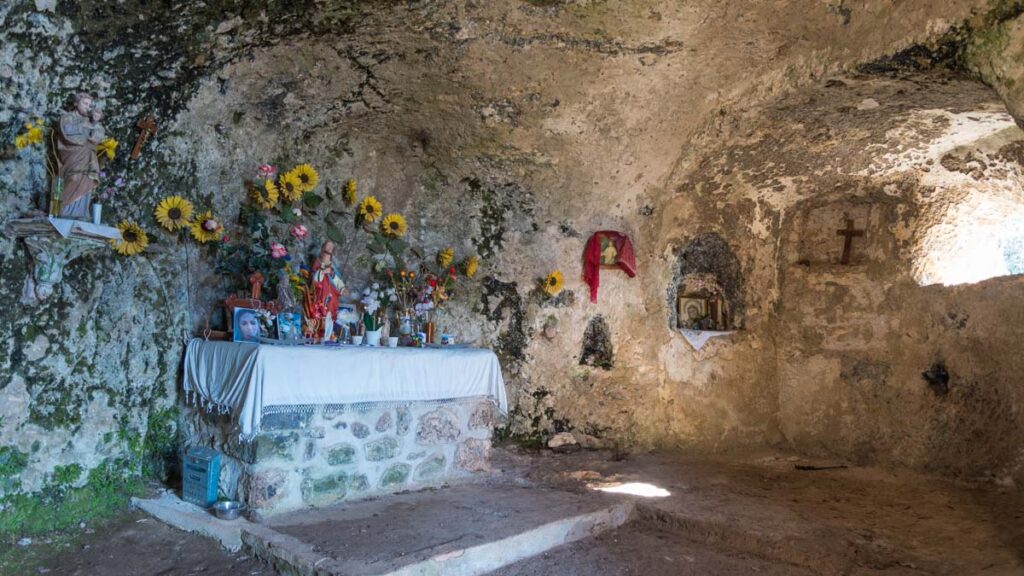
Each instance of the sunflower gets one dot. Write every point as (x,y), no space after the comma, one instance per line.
(370,209)
(350,192)
(133,240)
(268,200)
(290,186)
(174,213)
(307,176)
(393,225)
(553,283)
(472,263)
(205,228)
(108,147)
(444,257)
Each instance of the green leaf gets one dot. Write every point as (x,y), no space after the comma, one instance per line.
(287,216)
(312,199)
(377,244)
(334,234)
(397,246)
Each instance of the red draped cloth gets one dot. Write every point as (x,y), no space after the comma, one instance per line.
(592,258)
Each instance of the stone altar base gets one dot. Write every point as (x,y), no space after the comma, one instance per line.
(351,452)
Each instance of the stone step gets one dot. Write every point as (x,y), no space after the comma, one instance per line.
(293,557)
(461,530)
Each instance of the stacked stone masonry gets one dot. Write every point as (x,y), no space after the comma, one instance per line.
(332,454)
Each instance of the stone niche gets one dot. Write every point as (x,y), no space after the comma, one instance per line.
(351,452)
(707,290)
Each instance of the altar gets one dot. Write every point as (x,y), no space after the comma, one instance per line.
(313,425)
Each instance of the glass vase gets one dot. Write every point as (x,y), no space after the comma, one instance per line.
(56,192)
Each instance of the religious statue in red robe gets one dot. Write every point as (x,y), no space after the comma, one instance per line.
(323,295)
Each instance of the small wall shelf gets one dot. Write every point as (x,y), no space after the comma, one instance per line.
(698,338)
(52,243)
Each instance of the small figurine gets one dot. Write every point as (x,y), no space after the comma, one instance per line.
(78,133)
(325,290)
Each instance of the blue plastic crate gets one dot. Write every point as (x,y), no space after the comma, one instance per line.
(200,475)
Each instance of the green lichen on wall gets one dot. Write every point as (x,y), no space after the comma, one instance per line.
(107,489)
(12,462)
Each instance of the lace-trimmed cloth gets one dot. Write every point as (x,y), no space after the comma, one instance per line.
(248,380)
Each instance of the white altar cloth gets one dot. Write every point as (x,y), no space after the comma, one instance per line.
(248,379)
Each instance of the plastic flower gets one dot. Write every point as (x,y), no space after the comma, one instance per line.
(370,209)
(472,263)
(34,134)
(205,228)
(277,250)
(133,240)
(444,257)
(107,147)
(266,198)
(350,192)
(174,213)
(299,231)
(290,186)
(307,176)
(553,283)
(265,171)
(393,225)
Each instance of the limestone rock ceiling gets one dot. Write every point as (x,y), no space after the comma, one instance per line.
(514,129)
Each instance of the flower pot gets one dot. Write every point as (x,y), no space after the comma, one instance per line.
(373,337)
(405,326)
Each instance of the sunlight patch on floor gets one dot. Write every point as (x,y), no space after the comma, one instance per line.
(633,489)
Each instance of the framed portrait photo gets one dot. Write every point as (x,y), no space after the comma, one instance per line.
(246,325)
(289,326)
(690,310)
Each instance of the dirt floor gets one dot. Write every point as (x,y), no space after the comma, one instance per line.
(130,544)
(744,514)
(849,521)
(642,548)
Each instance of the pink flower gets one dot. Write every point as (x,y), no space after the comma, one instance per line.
(266,171)
(277,250)
(299,231)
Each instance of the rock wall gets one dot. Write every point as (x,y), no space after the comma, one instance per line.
(872,364)
(508,129)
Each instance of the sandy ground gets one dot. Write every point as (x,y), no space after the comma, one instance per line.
(745,514)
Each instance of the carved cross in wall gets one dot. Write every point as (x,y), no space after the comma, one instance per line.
(850,233)
(147,127)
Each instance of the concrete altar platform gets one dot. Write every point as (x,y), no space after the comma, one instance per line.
(345,453)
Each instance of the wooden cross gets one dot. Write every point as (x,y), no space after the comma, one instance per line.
(147,127)
(849,234)
(256,281)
